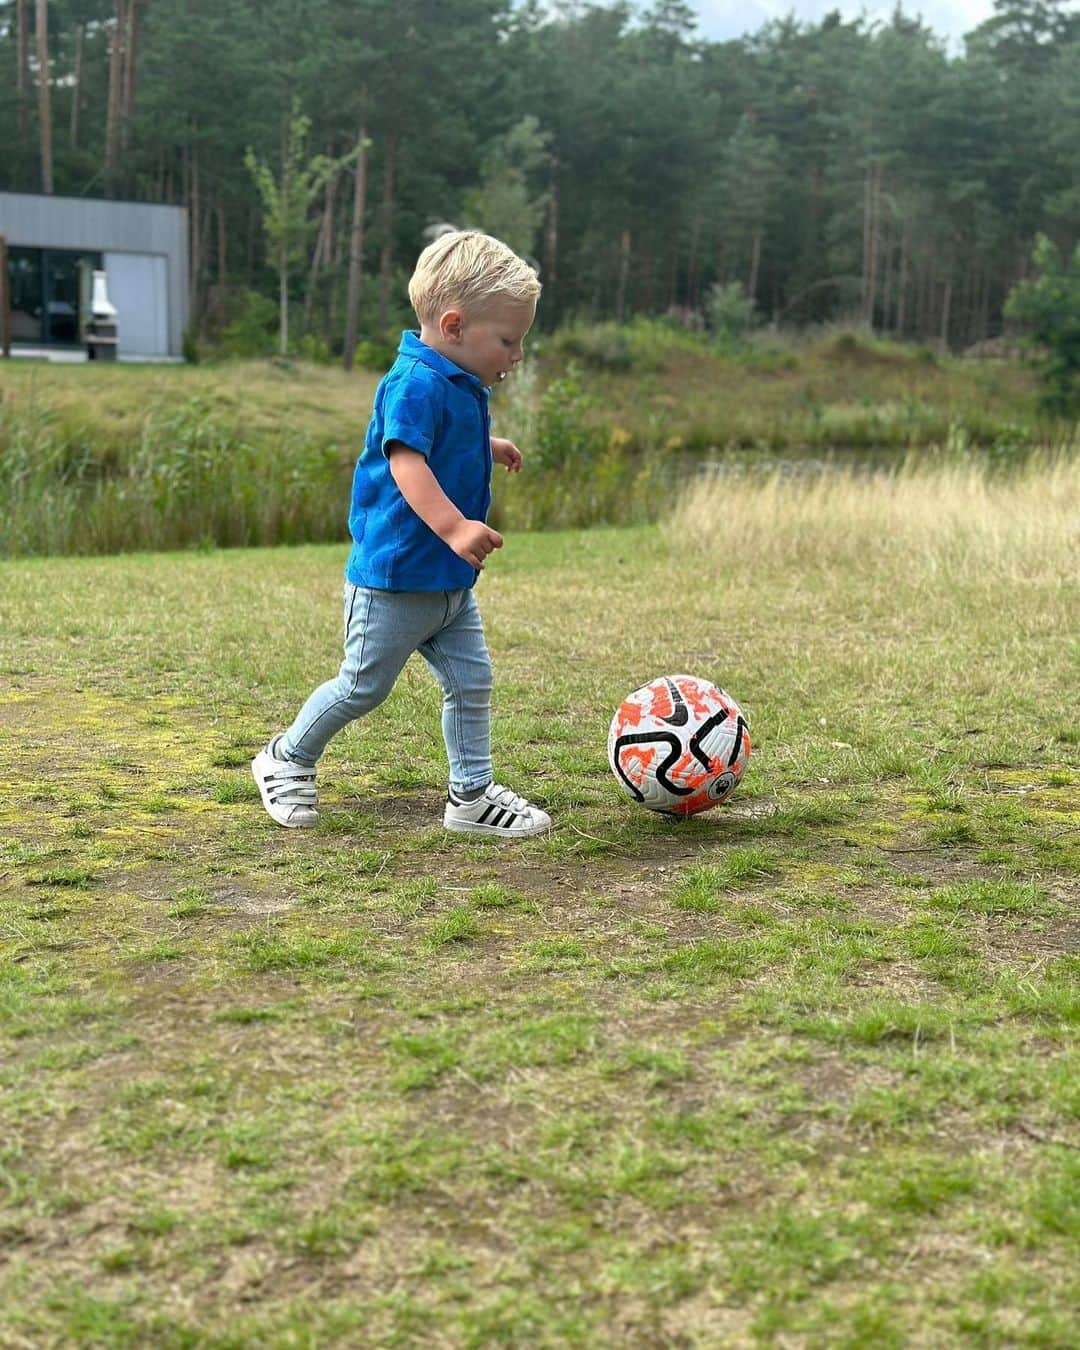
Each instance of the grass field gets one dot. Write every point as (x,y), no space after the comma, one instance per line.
(800,1072)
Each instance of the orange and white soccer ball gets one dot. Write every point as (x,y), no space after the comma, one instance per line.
(679,745)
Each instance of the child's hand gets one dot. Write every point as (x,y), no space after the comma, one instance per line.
(473,541)
(506,452)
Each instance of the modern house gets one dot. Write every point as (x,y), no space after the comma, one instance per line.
(142,248)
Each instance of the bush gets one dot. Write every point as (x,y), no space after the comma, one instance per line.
(563,431)
(373,354)
(730,311)
(581,472)
(253,330)
(602,346)
(314,349)
(643,344)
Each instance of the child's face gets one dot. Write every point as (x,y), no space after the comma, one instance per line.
(490,342)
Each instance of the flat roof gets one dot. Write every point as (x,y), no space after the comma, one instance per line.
(108,201)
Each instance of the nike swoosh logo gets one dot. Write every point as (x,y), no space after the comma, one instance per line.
(680,713)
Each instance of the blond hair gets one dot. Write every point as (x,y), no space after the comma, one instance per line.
(466,269)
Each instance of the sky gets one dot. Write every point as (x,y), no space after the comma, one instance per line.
(949,19)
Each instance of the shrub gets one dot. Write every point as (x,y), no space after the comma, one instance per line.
(374,354)
(314,349)
(643,344)
(602,346)
(730,311)
(252,332)
(563,431)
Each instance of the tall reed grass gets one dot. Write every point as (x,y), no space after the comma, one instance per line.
(189,480)
(959,518)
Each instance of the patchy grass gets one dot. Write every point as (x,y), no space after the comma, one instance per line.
(800,1071)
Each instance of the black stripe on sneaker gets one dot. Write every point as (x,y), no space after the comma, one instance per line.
(482,818)
(509,823)
(499,819)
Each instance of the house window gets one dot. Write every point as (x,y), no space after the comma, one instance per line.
(45,295)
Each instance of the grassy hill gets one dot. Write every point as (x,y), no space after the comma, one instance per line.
(100,459)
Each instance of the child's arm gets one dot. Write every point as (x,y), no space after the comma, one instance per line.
(506,452)
(470,539)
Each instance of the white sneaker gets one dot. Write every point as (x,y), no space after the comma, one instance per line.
(497,812)
(287,789)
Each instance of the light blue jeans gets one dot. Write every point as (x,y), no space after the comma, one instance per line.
(382,630)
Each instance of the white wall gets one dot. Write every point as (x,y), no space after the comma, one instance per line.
(138,290)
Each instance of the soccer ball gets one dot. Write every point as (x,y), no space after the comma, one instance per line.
(679,745)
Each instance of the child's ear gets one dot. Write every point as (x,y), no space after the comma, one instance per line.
(450,325)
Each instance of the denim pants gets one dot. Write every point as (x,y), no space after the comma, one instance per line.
(382,630)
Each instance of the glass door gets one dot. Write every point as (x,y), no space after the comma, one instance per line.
(24,272)
(45,295)
(61,281)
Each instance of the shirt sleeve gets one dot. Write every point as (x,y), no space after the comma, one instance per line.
(412,411)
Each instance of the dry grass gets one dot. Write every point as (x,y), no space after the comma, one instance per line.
(958,520)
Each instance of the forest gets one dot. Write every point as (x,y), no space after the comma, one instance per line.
(848,170)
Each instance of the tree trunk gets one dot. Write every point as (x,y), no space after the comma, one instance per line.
(874,245)
(901,285)
(322,246)
(692,266)
(283,299)
(112,109)
(339,231)
(867,199)
(387,258)
(964,320)
(886,279)
(930,315)
(194,217)
(624,272)
(673,276)
(356,250)
(551,230)
(44,102)
(222,251)
(283,251)
(984,305)
(76,92)
(128,93)
(22,64)
(946,306)
(647,272)
(755,264)
(924,312)
(249,252)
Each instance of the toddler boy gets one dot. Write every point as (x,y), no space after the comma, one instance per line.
(420,497)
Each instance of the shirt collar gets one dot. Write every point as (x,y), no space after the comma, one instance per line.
(411,345)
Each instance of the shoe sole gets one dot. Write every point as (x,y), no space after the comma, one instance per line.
(285,824)
(492,831)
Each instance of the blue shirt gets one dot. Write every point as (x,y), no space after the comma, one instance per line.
(440,411)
